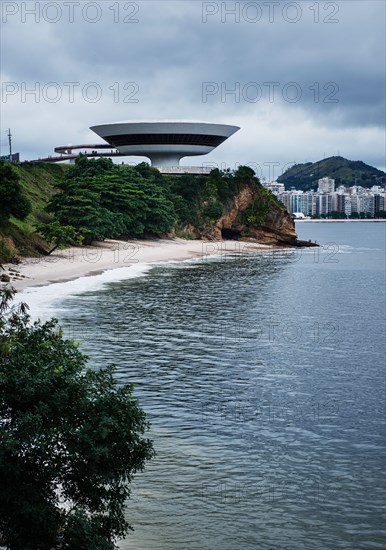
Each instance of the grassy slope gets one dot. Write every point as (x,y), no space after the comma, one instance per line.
(38,181)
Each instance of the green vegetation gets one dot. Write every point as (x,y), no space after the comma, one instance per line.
(200,200)
(37,182)
(58,234)
(343,171)
(71,440)
(12,199)
(337,215)
(182,234)
(103,200)
(361,216)
(97,199)
(261,209)
(13,205)
(353,216)
(7,250)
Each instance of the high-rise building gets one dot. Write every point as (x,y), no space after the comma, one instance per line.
(343,203)
(347,205)
(379,203)
(326,185)
(275,187)
(334,202)
(285,198)
(348,200)
(298,202)
(323,204)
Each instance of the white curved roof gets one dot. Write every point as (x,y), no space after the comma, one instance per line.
(171,127)
(165,142)
(161,121)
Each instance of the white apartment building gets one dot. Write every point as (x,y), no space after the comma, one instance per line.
(299,202)
(354,199)
(285,198)
(275,187)
(323,204)
(326,185)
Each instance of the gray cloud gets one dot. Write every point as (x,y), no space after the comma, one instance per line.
(330,76)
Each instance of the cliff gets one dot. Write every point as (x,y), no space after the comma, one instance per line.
(140,202)
(251,214)
(254,215)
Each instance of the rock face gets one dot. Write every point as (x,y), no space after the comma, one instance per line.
(256,215)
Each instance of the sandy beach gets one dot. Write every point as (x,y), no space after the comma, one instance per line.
(75,262)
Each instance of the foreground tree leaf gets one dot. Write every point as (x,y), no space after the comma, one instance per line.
(71,439)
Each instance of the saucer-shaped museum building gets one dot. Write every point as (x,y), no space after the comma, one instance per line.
(164,142)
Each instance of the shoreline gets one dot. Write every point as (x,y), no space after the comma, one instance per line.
(75,262)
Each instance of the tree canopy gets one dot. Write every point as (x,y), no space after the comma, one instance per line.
(198,200)
(12,199)
(58,234)
(104,200)
(71,440)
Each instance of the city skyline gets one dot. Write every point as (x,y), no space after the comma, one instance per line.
(347,200)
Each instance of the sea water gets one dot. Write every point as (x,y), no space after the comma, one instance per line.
(263,377)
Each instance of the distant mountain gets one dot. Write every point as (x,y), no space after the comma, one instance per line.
(344,172)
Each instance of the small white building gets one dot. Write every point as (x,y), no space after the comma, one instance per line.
(275,187)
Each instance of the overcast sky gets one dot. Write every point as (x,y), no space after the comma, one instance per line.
(304,80)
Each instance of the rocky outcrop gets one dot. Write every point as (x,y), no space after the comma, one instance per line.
(254,214)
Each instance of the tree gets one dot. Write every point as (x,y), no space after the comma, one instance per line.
(71,440)
(245,173)
(213,209)
(85,167)
(337,215)
(380,214)
(58,234)
(12,200)
(110,201)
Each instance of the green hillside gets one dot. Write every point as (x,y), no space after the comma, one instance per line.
(38,183)
(343,171)
(102,200)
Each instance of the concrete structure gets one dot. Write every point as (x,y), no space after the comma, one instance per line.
(275,187)
(298,216)
(379,202)
(298,202)
(326,185)
(164,142)
(323,203)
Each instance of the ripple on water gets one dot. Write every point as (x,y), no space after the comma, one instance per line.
(265,393)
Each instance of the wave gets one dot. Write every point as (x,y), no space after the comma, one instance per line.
(44,300)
